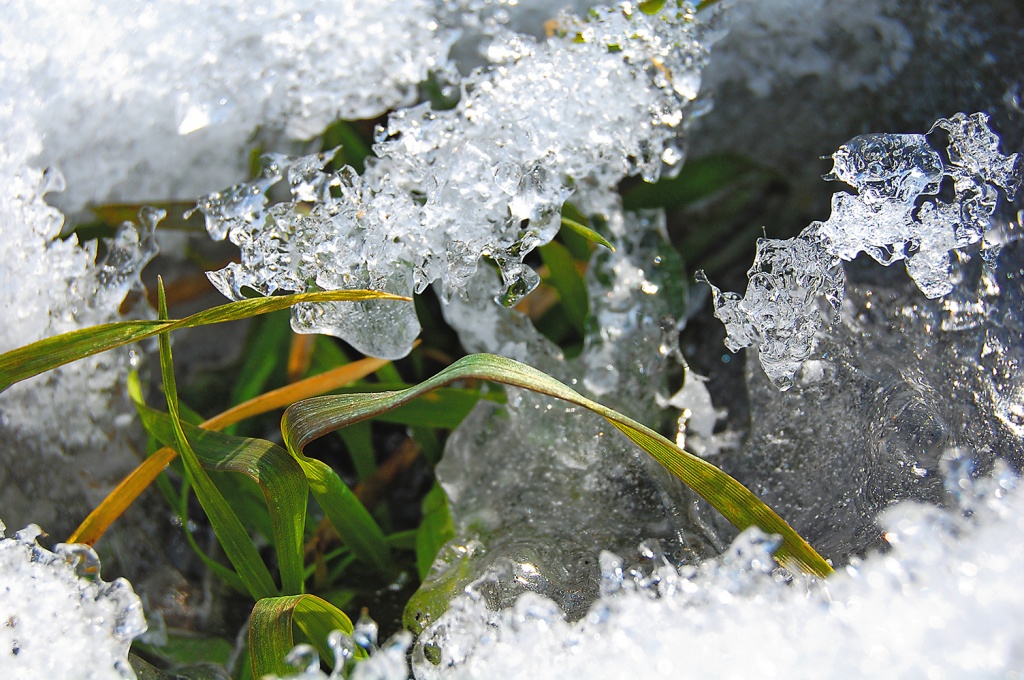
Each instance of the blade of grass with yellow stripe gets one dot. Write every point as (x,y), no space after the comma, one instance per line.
(49,353)
(309,419)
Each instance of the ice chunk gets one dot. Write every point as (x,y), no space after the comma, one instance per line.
(897,384)
(890,173)
(893,217)
(781,310)
(888,167)
(59,619)
(485,179)
(50,286)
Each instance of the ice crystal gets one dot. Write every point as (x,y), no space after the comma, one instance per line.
(781,310)
(896,214)
(58,619)
(160,101)
(486,179)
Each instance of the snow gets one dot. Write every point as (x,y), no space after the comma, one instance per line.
(60,619)
(941,602)
(161,101)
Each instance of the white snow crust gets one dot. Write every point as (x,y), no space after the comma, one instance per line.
(58,619)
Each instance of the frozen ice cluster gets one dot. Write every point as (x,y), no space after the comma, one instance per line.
(485,179)
(383,662)
(161,101)
(940,602)
(58,619)
(897,214)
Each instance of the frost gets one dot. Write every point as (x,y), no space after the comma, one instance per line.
(767,46)
(161,101)
(485,179)
(896,214)
(58,619)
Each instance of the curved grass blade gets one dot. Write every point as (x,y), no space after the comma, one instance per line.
(272,630)
(279,477)
(49,353)
(125,493)
(227,527)
(312,418)
(435,530)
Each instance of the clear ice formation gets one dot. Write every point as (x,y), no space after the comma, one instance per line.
(538,488)
(485,179)
(61,621)
(897,214)
(900,380)
(133,111)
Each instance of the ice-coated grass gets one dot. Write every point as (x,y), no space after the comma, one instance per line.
(128,109)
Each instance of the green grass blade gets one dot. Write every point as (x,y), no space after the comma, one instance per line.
(349,517)
(272,630)
(227,527)
(279,476)
(586,232)
(435,530)
(698,180)
(309,419)
(50,353)
(567,280)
